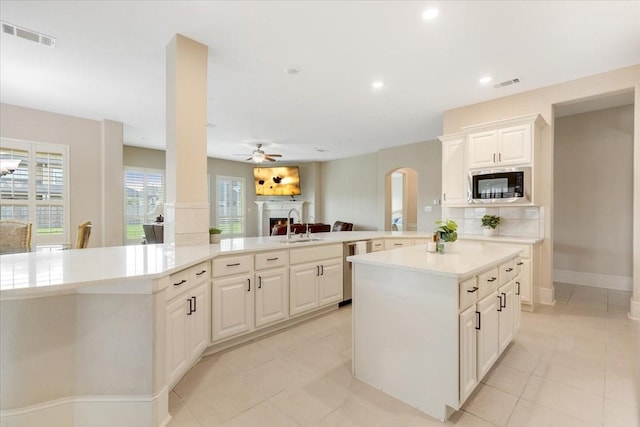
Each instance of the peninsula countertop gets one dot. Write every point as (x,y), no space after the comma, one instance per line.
(66,270)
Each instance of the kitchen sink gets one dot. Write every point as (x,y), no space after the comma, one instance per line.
(300,240)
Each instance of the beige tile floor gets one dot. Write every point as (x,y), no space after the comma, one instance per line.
(573,364)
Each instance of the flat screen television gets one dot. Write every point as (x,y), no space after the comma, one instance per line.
(278,181)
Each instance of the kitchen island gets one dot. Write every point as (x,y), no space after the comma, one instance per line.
(99,336)
(427,327)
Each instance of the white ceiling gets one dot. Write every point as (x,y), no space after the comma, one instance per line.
(109,63)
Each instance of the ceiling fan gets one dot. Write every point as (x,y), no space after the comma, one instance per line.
(260,156)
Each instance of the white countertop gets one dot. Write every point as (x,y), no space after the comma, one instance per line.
(53,271)
(466,261)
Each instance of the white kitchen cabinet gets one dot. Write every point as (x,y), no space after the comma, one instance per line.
(508,146)
(187,318)
(506,313)
(377,245)
(525,278)
(468,352)
(330,282)
(397,243)
(233,305)
(271,296)
(315,278)
(454,173)
(517,303)
(488,334)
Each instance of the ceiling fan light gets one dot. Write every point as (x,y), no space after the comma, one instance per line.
(258,156)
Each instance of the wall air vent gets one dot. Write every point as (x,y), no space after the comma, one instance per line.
(26,34)
(507,83)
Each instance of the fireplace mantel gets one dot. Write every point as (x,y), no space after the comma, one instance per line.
(276,209)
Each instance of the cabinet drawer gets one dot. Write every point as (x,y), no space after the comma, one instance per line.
(507,271)
(297,256)
(179,282)
(487,282)
(201,272)
(468,292)
(377,246)
(397,243)
(270,260)
(232,265)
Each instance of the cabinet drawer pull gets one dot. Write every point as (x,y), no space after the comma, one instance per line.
(509,270)
(317,270)
(233,265)
(397,244)
(494,157)
(190,307)
(249,282)
(520,263)
(180,282)
(272,259)
(201,273)
(479,318)
(500,303)
(259,282)
(499,157)
(472,290)
(493,279)
(195,308)
(504,300)
(322,270)
(518,288)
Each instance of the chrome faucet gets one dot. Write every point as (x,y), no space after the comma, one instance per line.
(309,222)
(289,221)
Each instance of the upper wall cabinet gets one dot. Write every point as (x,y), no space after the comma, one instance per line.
(453,170)
(504,143)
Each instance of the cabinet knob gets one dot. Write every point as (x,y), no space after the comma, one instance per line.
(509,270)
(520,263)
(180,282)
(201,273)
(493,279)
(472,290)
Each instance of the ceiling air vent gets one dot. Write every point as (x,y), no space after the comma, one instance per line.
(26,34)
(507,83)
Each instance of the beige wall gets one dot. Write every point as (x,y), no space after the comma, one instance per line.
(95,165)
(353,189)
(542,101)
(593,192)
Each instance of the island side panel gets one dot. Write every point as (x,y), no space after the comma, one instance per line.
(406,335)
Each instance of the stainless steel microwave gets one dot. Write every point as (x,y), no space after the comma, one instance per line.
(504,185)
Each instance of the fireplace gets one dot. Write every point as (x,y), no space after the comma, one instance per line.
(274,221)
(270,212)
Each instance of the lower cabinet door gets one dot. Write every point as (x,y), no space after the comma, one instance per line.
(177,353)
(525,281)
(505,316)
(303,285)
(487,334)
(198,320)
(468,351)
(232,306)
(330,283)
(517,306)
(272,296)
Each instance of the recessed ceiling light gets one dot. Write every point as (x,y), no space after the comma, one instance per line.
(429,14)
(292,70)
(485,80)
(377,85)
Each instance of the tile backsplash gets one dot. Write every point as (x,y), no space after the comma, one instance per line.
(516,221)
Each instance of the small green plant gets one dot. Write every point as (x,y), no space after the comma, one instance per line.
(491,221)
(447,230)
(214,230)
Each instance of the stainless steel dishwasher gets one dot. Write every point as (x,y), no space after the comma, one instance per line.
(348,249)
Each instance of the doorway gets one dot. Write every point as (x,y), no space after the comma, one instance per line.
(401,195)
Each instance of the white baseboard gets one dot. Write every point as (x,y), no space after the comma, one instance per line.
(93,411)
(620,283)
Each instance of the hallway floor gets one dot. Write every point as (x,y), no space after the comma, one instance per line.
(573,364)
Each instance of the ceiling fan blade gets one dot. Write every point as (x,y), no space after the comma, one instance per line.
(269,159)
(274,155)
(250,158)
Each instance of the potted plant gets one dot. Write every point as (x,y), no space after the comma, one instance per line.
(214,235)
(447,233)
(489,224)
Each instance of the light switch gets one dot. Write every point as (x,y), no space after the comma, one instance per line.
(428,208)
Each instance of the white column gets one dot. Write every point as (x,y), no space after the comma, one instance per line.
(187,205)
(111,230)
(634,312)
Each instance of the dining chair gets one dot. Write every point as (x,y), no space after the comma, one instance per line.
(84,232)
(15,236)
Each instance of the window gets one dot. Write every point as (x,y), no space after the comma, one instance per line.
(230,201)
(37,191)
(143,200)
